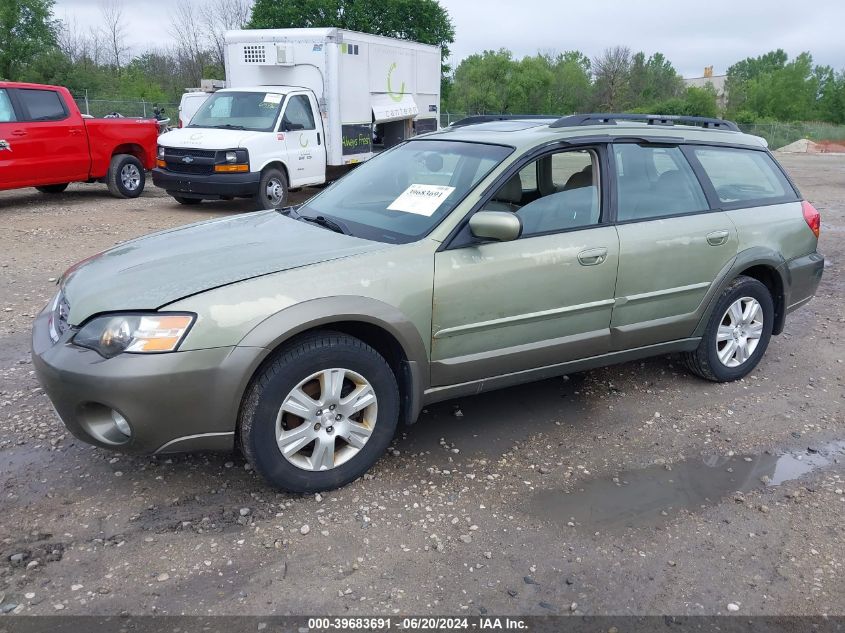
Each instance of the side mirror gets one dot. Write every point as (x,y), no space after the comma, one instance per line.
(502,226)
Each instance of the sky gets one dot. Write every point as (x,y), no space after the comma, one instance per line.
(691,35)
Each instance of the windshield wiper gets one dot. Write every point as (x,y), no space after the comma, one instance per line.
(325,223)
(227,126)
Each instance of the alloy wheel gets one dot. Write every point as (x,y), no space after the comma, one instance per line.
(130,177)
(739,332)
(326,419)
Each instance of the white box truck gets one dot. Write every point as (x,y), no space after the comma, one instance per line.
(299,106)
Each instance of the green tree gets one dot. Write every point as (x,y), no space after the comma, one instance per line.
(422,21)
(652,80)
(27,32)
(481,83)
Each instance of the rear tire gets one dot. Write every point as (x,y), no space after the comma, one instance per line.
(737,333)
(187,201)
(348,401)
(53,188)
(272,190)
(126,176)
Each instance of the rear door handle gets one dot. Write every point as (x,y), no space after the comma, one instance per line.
(19,133)
(592,256)
(318,138)
(717,238)
(75,131)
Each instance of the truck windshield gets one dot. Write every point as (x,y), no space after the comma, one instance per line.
(256,111)
(400,195)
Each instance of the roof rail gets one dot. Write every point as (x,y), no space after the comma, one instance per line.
(575,120)
(488,118)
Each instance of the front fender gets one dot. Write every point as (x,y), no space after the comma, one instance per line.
(326,311)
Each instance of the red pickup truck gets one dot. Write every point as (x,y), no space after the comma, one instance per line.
(46,143)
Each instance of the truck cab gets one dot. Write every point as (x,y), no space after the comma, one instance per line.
(254,142)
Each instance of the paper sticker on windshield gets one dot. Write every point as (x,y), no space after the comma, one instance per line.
(421,199)
(272,98)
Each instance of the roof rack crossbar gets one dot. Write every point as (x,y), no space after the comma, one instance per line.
(610,118)
(488,118)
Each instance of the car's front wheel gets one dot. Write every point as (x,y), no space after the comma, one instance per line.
(320,413)
(737,333)
(272,190)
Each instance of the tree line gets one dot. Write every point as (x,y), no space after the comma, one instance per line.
(35,46)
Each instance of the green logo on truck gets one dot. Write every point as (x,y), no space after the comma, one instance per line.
(396,97)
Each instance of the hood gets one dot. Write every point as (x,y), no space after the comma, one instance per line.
(207,138)
(152,271)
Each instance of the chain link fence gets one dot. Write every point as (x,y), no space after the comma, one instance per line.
(780,134)
(99,108)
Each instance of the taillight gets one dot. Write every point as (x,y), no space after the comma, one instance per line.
(812,217)
(179,125)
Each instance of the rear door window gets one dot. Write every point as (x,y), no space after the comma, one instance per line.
(654,182)
(42,105)
(7,112)
(740,175)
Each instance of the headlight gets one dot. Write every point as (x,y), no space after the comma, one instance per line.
(160,151)
(231,157)
(113,334)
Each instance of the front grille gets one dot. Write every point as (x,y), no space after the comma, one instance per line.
(184,168)
(184,151)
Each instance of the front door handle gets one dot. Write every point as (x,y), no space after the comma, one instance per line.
(19,133)
(717,238)
(592,256)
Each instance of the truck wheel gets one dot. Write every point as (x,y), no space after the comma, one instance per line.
(187,201)
(126,176)
(52,188)
(737,333)
(272,190)
(320,414)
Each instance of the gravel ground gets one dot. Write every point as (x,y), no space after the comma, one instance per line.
(508,502)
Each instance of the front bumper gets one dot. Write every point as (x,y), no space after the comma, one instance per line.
(207,186)
(803,275)
(174,402)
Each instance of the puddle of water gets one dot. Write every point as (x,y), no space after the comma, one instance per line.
(651,496)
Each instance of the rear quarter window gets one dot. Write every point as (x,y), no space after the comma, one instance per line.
(740,175)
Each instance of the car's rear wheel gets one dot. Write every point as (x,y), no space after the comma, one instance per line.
(53,188)
(126,176)
(187,201)
(320,413)
(737,333)
(272,190)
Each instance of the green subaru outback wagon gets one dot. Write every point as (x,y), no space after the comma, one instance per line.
(485,255)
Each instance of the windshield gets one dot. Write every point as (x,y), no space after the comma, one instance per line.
(256,111)
(400,195)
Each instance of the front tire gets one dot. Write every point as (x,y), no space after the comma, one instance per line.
(737,333)
(272,190)
(126,176)
(320,413)
(52,188)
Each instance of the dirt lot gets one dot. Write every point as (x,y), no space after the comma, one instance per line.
(612,491)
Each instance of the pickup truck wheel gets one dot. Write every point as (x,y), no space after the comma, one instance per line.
(52,188)
(737,333)
(320,414)
(272,190)
(126,176)
(187,201)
